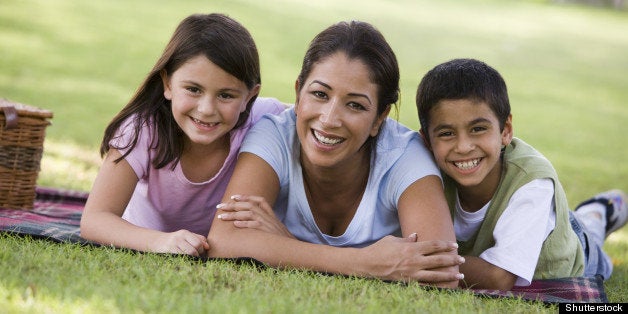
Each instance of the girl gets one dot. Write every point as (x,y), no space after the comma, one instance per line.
(171,151)
(338,173)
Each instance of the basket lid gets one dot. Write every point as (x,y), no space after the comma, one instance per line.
(26,110)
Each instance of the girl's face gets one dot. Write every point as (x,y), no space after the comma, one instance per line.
(466,141)
(336,111)
(206,100)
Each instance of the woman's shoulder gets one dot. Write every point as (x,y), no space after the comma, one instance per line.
(264,105)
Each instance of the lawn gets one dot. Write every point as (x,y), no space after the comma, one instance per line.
(565,66)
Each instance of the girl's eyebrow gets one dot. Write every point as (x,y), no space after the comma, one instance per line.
(350,94)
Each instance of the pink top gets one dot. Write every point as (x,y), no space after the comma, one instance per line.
(165,199)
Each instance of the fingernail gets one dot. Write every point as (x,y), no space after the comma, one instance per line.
(461,260)
(219,216)
(454,244)
(413,235)
(235,197)
(219,206)
(460,276)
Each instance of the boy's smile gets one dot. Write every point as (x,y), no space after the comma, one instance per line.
(466,140)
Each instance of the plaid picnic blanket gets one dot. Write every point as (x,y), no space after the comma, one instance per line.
(57,213)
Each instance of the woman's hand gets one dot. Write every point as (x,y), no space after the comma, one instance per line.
(252,212)
(181,242)
(431,262)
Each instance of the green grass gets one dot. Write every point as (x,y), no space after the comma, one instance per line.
(565,66)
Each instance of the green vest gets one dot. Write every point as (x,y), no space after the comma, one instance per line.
(561,253)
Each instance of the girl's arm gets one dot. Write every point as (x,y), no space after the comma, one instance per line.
(390,258)
(102,217)
(423,210)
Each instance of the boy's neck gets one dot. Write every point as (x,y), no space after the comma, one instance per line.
(473,198)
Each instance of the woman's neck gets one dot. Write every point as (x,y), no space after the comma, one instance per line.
(334,194)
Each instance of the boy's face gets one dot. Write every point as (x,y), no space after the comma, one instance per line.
(466,141)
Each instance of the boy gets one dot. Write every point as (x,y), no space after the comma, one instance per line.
(510,212)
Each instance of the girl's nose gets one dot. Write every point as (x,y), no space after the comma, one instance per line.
(206,106)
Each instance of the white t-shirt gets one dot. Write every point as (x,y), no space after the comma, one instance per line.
(400,159)
(517,245)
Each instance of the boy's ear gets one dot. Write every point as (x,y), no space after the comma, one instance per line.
(425,139)
(507,133)
(166,82)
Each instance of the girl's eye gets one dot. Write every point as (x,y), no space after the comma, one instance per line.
(225,96)
(193,90)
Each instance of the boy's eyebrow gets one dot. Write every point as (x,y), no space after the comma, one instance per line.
(472,122)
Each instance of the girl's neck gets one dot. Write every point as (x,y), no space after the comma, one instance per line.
(200,163)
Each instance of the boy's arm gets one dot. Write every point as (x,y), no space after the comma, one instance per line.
(481,274)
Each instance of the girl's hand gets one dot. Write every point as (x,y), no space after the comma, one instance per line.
(182,242)
(252,212)
(403,259)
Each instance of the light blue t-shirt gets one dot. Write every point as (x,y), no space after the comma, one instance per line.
(400,159)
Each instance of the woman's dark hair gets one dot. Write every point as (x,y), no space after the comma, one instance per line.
(225,42)
(462,79)
(361,41)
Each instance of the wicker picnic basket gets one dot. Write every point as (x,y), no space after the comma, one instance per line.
(22,131)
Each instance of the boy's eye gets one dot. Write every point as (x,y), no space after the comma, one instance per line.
(477,129)
(445,134)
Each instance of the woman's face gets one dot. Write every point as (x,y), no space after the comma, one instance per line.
(337,111)
(206,100)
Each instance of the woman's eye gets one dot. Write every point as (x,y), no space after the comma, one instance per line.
(319,94)
(356,106)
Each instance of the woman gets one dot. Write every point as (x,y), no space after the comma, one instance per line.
(344,181)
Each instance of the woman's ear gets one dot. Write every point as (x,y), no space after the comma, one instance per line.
(378,123)
(507,132)
(296,92)
(166,82)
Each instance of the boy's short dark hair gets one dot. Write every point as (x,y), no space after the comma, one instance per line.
(462,79)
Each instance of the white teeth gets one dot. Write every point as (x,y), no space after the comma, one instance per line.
(466,165)
(326,140)
(203,123)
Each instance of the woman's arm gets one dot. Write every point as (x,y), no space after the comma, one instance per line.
(423,210)
(102,217)
(390,258)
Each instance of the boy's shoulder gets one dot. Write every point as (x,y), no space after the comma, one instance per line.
(526,158)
